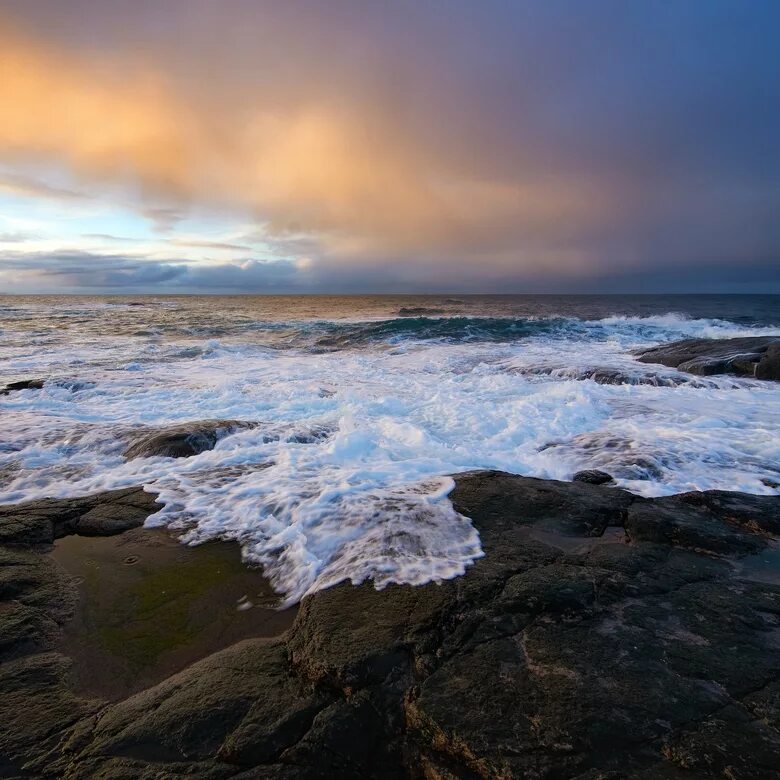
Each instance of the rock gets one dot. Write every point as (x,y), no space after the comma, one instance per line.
(675,522)
(604,375)
(769,366)
(593,477)
(184,440)
(24,384)
(602,635)
(102,514)
(753,356)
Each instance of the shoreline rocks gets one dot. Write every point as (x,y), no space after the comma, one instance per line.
(757,356)
(602,635)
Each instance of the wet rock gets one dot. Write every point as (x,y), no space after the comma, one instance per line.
(769,365)
(728,744)
(677,523)
(23,384)
(605,375)
(184,440)
(602,635)
(756,356)
(102,514)
(593,477)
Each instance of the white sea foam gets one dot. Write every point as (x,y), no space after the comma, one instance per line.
(346,475)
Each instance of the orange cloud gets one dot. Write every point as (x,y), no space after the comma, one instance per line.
(346,173)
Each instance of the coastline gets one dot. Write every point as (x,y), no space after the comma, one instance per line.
(601,632)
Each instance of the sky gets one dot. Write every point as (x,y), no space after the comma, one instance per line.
(355,146)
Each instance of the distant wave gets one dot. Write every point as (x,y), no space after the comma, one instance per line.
(340,335)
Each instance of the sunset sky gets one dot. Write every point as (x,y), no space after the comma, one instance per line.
(366,146)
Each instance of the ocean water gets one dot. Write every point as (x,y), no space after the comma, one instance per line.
(364,408)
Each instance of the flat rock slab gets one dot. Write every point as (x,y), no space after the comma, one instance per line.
(757,356)
(602,635)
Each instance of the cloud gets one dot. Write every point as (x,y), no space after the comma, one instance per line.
(26,186)
(95,272)
(201,244)
(474,143)
(163,218)
(91,271)
(62,271)
(343,170)
(14,238)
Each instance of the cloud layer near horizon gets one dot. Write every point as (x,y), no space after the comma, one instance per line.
(455,142)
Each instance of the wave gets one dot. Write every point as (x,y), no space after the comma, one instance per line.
(638,330)
(360,422)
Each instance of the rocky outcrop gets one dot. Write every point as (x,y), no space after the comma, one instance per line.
(183,440)
(757,356)
(602,635)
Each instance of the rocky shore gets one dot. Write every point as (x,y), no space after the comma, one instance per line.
(602,635)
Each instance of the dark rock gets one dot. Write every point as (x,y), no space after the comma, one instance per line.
(602,635)
(727,744)
(604,375)
(184,440)
(593,477)
(769,365)
(753,356)
(24,384)
(678,523)
(101,514)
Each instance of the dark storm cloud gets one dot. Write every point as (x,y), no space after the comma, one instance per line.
(96,272)
(559,145)
(73,270)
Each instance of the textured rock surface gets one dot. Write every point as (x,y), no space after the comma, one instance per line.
(104,514)
(601,636)
(593,477)
(182,441)
(757,356)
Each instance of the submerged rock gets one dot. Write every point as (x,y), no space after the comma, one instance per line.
(22,384)
(183,440)
(601,635)
(756,356)
(593,477)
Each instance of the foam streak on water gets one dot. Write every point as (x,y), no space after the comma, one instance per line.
(361,418)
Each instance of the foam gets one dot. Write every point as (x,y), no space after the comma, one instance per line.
(346,477)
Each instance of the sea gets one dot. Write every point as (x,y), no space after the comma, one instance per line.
(365,406)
